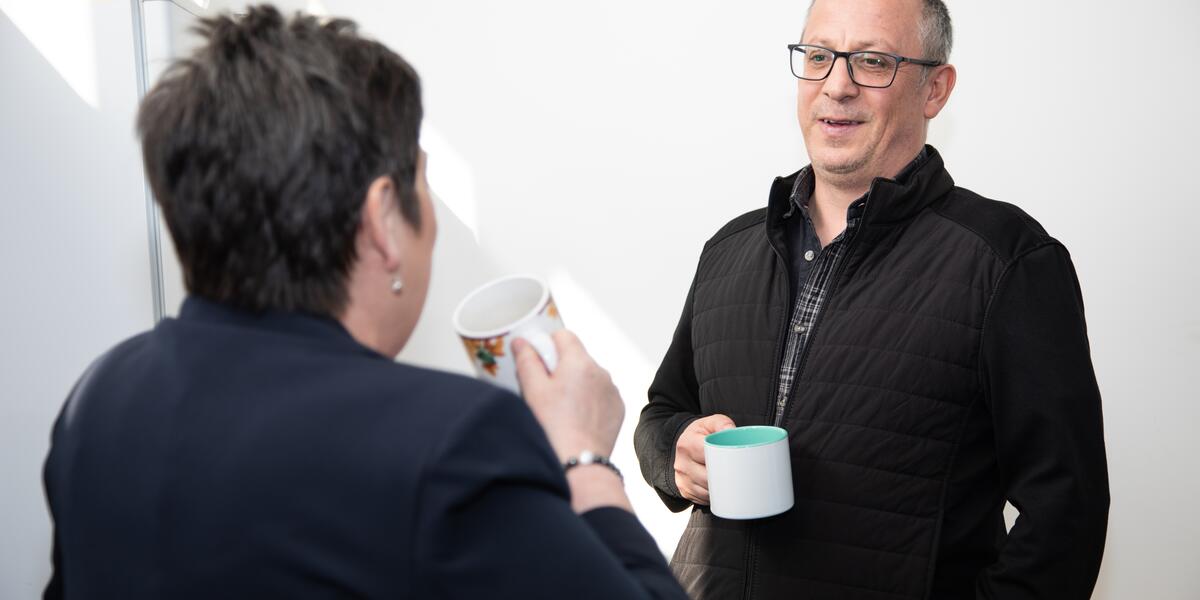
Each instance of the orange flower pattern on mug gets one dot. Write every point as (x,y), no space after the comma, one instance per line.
(485,352)
(551,310)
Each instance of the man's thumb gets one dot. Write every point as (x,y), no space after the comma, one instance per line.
(720,423)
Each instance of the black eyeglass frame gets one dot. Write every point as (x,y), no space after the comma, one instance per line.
(850,70)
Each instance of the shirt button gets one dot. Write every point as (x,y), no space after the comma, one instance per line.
(800,329)
(809,255)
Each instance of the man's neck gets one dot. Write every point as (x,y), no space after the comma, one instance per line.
(833,194)
(828,205)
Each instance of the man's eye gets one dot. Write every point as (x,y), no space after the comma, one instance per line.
(873,62)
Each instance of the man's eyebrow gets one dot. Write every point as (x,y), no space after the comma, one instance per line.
(859,45)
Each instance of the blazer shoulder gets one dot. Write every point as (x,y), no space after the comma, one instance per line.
(1005,228)
(737,225)
(449,394)
(444,415)
(485,435)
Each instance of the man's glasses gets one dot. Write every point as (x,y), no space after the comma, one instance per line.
(867,69)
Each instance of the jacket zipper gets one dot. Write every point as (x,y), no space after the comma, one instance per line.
(749,561)
(836,276)
(779,347)
(781,344)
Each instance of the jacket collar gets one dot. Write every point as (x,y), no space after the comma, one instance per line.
(888,201)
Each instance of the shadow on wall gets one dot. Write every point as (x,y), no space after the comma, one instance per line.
(72,241)
(460,264)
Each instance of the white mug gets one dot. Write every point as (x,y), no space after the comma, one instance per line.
(749,472)
(495,314)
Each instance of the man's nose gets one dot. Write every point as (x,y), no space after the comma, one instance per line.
(838,85)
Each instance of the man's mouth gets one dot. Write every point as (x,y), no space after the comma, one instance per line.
(840,122)
(835,128)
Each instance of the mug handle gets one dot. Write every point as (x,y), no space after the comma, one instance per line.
(543,344)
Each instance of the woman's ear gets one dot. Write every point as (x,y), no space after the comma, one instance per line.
(380,226)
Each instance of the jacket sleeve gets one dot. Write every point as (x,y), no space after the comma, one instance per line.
(1045,404)
(495,521)
(674,404)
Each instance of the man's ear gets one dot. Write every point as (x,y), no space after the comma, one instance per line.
(379,214)
(940,86)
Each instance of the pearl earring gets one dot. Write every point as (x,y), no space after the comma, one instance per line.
(397,285)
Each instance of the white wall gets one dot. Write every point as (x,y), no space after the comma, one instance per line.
(74,264)
(599,145)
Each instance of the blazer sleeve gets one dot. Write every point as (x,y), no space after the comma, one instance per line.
(50,476)
(54,588)
(1037,374)
(495,521)
(674,404)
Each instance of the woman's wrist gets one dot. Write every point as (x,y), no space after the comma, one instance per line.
(594,485)
(573,446)
(587,457)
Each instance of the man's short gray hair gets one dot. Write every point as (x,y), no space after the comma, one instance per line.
(937,34)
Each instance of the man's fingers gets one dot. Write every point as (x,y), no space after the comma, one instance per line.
(693,475)
(693,442)
(694,451)
(697,494)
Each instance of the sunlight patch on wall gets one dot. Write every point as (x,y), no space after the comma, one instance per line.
(450,177)
(63,33)
(605,339)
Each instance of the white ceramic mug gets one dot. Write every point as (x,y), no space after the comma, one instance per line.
(749,472)
(495,314)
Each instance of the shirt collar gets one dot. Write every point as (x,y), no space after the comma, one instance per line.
(803,188)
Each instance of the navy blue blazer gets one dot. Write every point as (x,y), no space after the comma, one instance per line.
(230,455)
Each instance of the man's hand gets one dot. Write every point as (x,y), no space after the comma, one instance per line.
(691,475)
(578,405)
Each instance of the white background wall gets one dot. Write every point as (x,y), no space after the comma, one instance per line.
(74,265)
(599,145)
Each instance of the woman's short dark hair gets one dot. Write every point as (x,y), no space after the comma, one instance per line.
(260,148)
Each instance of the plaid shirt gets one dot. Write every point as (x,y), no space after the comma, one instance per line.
(810,296)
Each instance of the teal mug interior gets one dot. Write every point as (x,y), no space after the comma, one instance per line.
(746,437)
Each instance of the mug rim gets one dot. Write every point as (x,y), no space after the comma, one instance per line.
(474,334)
(778,434)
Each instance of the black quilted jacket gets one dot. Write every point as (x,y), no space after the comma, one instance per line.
(948,371)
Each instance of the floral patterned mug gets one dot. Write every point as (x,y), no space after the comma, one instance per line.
(492,316)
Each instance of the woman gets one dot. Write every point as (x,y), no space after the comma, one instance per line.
(264,444)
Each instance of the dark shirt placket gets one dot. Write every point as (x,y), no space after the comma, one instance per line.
(811,272)
(809,301)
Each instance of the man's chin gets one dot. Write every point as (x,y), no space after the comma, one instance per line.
(838,165)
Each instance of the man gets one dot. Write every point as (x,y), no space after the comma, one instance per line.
(924,347)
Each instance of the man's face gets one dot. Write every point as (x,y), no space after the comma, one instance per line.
(855,133)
